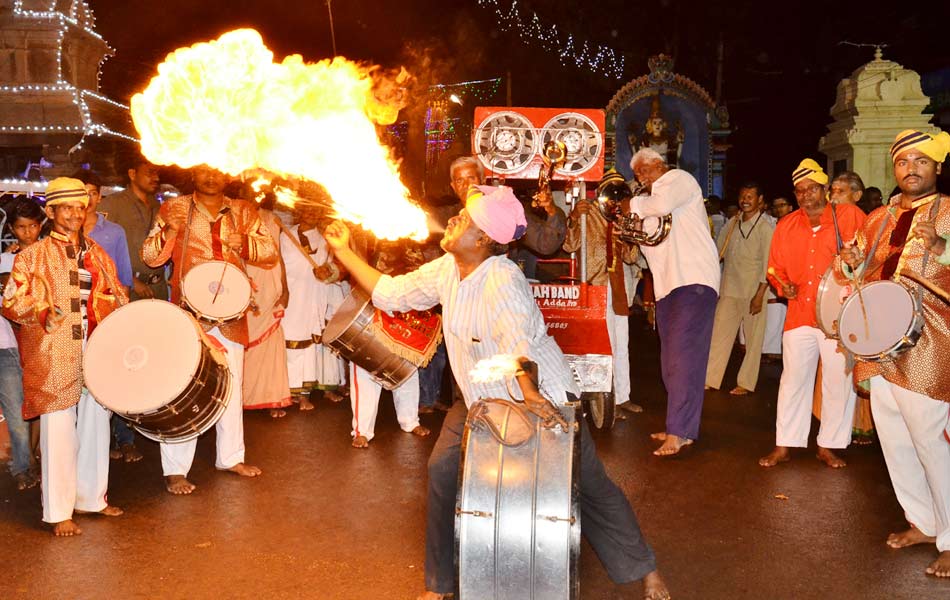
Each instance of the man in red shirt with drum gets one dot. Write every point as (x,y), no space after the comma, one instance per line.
(803,247)
(193,231)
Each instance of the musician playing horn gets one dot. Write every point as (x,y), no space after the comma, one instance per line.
(803,246)
(213,227)
(686,276)
(488,309)
(909,394)
(61,287)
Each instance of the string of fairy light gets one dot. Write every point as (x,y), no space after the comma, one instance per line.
(570,50)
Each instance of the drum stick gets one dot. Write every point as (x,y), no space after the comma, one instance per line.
(774,274)
(927,284)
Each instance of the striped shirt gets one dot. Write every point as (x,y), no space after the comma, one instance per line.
(490,312)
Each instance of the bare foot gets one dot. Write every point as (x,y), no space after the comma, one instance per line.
(115,454)
(108,511)
(659,436)
(862,440)
(706,388)
(672,444)
(830,458)
(654,588)
(333,396)
(630,407)
(130,453)
(426,410)
(911,537)
(360,441)
(738,391)
(421,431)
(26,480)
(941,566)
(277,413)
(178,485)
(245,470)
(66,528)
(433,596)
(305,403)
(779,455)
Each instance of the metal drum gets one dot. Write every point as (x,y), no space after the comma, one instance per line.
(350,334)
(517,524)
(150,363)
(831,295)
(890,321)
(216,291)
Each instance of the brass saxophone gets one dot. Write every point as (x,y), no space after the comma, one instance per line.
(553,156)
(610,199)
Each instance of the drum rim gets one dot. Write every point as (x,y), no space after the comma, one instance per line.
(823,286)
(359,299)
(202,315)
(913,333)
(194,367)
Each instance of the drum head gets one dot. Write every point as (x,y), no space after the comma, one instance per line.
(141,356)
(890,316)
(831,295)
(202,282)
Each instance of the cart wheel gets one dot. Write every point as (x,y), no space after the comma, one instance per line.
(600,407)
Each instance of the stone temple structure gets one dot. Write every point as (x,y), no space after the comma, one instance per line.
(879,100)
(52,117)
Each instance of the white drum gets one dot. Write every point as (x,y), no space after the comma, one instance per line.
(216,291)
(150,363)
(831,295)
(894,321)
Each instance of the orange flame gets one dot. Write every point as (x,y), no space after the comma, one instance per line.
(227,104)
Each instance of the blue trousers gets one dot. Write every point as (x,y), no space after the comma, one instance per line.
(684,319)
(11,400)
(430,377)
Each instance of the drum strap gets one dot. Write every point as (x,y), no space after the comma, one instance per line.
(184,248)
(479,417)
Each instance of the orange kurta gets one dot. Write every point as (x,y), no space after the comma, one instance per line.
(801,256)
(205,242)
(45,278)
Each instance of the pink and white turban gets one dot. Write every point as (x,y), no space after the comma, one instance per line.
(497,212)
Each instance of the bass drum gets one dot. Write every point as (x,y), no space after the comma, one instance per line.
(150,363)
(517,524)
(350,334)
(880,323)
(601,408)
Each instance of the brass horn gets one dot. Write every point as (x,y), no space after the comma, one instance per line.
(610,197)
(554,155)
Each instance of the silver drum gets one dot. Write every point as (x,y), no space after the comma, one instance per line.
(517,524)
(828,301)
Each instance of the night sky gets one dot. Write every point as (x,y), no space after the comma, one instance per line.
(782,60)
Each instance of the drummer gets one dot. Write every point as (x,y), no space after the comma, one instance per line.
(909,394)
(215,228)
(803,247)
(488,310)
(60,288)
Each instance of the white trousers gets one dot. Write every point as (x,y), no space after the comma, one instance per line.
(177,458)
(618,330)
(75,462)
(774,324)
(730,314)
(801,348)
(364,399)
(913,432)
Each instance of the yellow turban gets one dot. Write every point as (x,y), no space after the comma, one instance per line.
(809,169)
(66,189)
(935,146)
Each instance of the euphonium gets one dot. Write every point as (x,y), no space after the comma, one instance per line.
(610,197)
(553,156)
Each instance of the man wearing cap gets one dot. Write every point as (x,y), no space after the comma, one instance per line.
(606,256)
(803,247)
(61,287)
(910,394)
(685,269)
(488,310)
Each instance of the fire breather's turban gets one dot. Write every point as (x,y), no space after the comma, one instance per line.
(497,212)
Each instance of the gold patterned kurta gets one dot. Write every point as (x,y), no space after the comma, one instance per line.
(921,368)
(206,242)
(45,280)
(598,271)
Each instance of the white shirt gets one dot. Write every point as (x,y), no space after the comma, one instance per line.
(490,312)
(688,255)
(7,339)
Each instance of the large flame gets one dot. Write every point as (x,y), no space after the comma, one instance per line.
(227,104)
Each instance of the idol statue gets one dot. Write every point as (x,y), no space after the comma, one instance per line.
(656,135)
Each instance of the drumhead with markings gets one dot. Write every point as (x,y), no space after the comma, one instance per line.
(216,290)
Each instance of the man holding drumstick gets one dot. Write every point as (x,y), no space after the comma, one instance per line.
(190,230)
(910,394)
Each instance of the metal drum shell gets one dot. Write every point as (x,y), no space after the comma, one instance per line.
(912,331)
(350,334)
(517,551)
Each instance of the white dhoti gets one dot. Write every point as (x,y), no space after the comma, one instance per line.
(731,313)
(774,325)
(913,430)
(364,399)
(618,331)
(802,347)
(177,458)
(75,459)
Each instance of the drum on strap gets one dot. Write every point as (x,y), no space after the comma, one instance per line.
(150,363)
(831,295)
(367,337)
(216,291)
(517,523)
(890,321)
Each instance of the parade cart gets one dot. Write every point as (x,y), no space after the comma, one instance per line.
(560,148)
